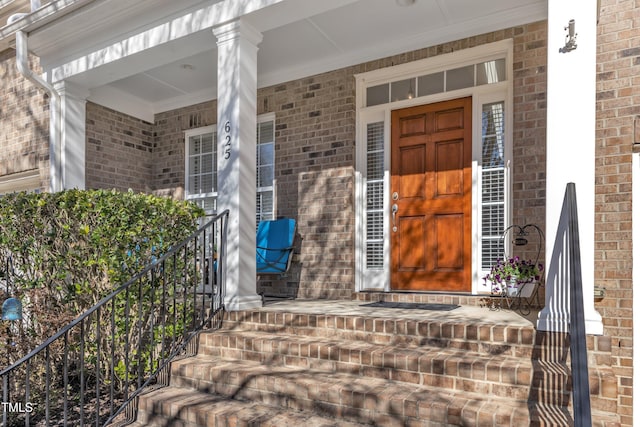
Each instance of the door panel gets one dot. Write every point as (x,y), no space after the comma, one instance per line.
(431,192)
(412,229)
(412,185)
(449,168)
(450,242)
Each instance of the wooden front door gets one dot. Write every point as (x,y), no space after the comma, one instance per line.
(431,197)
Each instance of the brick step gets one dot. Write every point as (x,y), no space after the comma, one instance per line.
(489,338)
(349,397)
(457,369)
(424,298)
(180,407)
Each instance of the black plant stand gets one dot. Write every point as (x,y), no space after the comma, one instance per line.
(520,236)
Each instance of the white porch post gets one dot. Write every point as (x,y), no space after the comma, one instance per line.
(237,91)
(73,100)
(570,157)
(635,237)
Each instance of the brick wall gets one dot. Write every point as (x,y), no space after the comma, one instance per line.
(617,106)
(118,150)
(315,147)
(529,126)
(24,120)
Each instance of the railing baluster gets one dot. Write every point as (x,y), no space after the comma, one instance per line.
(65,370)
(175,305)
(47,360)
(27,393)
(5,396)
(140,323)
(152,322)
(112,365)
(184,279)
(164,312)
(82,337)
(578,346)
(97,364)
(126,345)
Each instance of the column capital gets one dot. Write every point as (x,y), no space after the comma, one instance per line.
(69,89)
(238,28)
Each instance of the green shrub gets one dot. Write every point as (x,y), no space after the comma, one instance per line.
(65,251)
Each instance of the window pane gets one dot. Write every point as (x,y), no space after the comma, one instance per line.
(430,84)
(194,145)
(460,78)
(492,250)
(265,154)
(375,165)
(265,176)
(207,143)
(375,136)
(491,72)
(493,183)
(377,95)
(264,206)
(265,132)
(493,134)
(194,184)
(375,251)
(404,89)
(493,186)
(375,195)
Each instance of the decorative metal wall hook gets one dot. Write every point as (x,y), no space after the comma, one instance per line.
(570,39)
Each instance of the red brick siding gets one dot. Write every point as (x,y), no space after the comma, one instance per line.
(118,150)
(617,106)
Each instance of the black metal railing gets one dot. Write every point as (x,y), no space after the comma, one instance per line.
(92,370)
(577,333)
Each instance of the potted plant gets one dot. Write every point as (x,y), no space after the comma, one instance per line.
(508,276)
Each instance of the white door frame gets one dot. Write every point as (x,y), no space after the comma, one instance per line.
(379,278)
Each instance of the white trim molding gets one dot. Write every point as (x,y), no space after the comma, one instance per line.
(635,218)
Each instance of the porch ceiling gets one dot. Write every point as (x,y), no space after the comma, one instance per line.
(346,32)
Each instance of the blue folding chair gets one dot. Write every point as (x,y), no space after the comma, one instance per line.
(274,246)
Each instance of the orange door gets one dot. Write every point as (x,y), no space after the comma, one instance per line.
(431,197)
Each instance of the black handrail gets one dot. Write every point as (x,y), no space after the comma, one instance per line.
(578,346)
(93,369)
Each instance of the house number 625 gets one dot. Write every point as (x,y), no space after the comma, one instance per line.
(227,139)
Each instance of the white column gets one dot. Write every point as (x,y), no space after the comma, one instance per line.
(635,202)
(237,92)
(73,100)
(571,83)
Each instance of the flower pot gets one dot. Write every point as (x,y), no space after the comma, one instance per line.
(513,289)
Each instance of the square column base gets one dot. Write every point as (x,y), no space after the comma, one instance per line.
(244,302)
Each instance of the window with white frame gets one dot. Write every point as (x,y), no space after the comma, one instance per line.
(493,182)
(265,164)
(201,167)
(374,179)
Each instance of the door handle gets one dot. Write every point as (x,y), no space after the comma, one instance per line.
(394,211)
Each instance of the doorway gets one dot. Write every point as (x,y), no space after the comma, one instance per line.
(431,182)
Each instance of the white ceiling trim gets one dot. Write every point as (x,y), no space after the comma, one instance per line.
(454,32)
